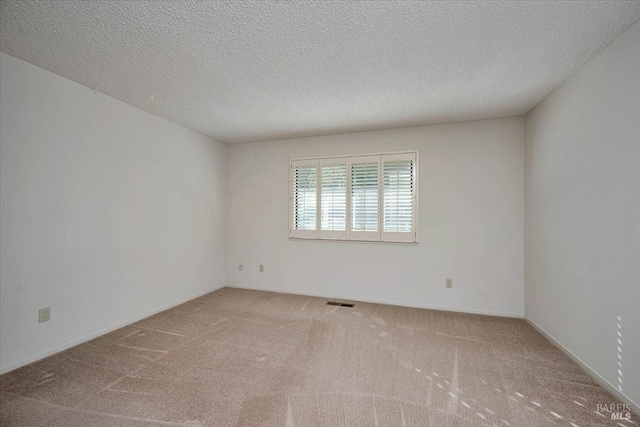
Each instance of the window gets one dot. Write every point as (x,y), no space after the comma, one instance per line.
(397,197)
(305,206)
(362,198)
(333,198)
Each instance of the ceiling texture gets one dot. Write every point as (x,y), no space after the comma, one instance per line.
(250,71)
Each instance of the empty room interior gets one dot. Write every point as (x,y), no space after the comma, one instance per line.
(319,213)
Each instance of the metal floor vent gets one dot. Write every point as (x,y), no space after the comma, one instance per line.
(339,304)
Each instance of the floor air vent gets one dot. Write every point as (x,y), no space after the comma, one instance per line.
(339,304)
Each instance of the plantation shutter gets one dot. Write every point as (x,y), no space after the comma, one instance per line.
(304,199)
(333,198)
(364,198)
(398,197)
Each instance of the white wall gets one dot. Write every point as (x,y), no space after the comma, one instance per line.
(471,191)
(107,213)
(583,213)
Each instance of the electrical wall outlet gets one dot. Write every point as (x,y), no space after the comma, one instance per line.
(448,283)
(261,268)
(44,314)
(240,266)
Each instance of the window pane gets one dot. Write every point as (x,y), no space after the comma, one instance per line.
(333,212)
(398,196)
(304,198)
(364,197)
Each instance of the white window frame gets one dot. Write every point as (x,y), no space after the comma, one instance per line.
(379,236)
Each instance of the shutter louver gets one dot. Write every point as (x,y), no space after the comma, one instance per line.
(364,198)
(398,197)
(333,198)
(305,207)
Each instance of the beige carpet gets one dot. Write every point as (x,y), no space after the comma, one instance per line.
(252,358)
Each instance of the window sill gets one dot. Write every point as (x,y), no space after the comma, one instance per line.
(377,242)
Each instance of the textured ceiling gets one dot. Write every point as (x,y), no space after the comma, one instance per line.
(248,71)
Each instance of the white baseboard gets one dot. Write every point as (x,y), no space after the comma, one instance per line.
(586,368)
(23,362)
(378,301)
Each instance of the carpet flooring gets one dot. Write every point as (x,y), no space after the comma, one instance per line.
(253,358)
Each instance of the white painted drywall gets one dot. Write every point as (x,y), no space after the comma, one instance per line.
(107,213)
(583,213)
(471,197)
